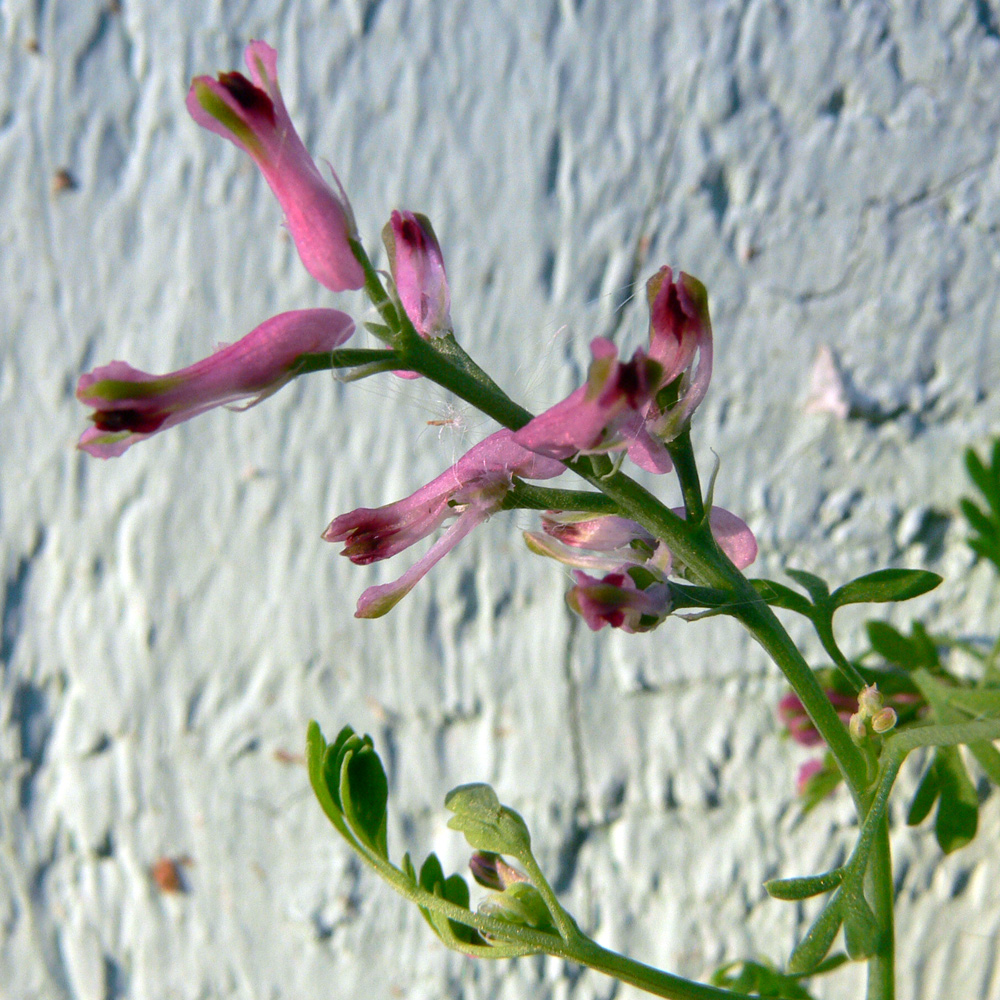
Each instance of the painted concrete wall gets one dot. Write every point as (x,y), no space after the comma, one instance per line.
(171,620)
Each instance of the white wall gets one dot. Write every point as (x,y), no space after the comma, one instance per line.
(171,618)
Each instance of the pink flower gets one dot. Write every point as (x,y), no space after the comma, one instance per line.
(605,414)
(679,330)
(793,714)
(254,117)
(616,600)
(807,772)
(471,490)
(130,405)
(623,543)
(418,272)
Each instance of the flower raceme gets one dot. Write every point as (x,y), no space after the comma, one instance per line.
(640,404)
(252,114)
(130,405)
(472,490)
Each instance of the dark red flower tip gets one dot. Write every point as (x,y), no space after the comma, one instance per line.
(134,421)
(247,95)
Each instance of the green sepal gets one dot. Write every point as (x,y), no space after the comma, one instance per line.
(885,585)
(805,886)
(486,824)
(812,949)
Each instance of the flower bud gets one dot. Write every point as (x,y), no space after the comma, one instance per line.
(417,267)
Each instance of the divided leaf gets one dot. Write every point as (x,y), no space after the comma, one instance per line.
(758,979)
(487,825)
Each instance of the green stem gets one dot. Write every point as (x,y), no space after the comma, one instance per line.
(529,497)
(824,629)
(345,357)
(881,965)
(682,455)
(659,984)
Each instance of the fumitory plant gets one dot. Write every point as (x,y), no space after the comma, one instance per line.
(636,564)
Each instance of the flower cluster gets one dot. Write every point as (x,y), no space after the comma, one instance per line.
(635,407)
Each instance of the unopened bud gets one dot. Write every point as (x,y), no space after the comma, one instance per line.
(869,701)
(857,727)
(884,720)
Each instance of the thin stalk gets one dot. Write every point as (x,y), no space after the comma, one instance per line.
(682,455)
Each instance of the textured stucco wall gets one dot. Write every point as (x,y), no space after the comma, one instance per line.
(171,619)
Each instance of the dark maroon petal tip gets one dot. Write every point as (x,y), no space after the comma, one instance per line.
(247,95)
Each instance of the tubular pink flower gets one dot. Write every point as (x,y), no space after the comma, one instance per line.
(807,772)
(615,600)
(800,727)
(473,489)
(130,405)
(417,267)
(252,114)
(679,329)
(605,414)
(624,542)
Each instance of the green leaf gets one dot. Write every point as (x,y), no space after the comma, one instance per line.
(487,825)
(758,979)
(947,781)
(780,596)
(821,784)
(815,587)
(988,759)
(455,890)
(906,652)
(979,703)
(957,815)
(885,585)
(978,521)
(522,904)
(365,794)
(924,797)
(861,932)
(986,480)
(805,886)
(317,755)
(812,949)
